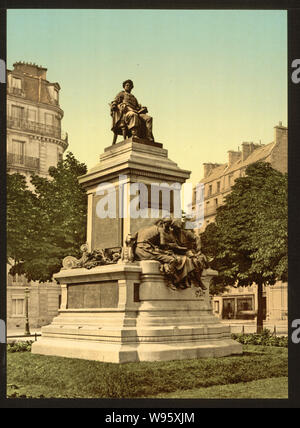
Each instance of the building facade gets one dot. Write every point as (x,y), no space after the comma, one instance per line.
(35,142)
(241,303)
(218,180)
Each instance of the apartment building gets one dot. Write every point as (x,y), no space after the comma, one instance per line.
(218,180)
(35,142)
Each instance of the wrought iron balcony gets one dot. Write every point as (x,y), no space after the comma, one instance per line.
(28,162)
(36,128)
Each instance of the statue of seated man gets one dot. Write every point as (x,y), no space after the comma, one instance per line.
(129,115)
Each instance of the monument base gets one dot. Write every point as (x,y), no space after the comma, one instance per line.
(116,353)
(125,313)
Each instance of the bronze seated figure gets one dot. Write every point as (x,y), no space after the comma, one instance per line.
(129,118)
(120,127)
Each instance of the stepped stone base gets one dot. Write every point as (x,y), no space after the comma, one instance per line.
(117,353)
(125,313)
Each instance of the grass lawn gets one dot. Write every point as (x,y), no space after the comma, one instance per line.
(55,377)
(265,388)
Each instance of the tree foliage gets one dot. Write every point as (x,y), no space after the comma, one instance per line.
(22,220)
(53,220)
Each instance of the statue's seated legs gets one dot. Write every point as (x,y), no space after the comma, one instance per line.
(148,122)
(133,124)
(128,126)
(132,119)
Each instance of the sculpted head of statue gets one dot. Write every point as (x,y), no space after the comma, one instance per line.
(177,224)
(128,85)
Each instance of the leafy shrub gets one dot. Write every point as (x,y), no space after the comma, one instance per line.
(19,346)
(266,338)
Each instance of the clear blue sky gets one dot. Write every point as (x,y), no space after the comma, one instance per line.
(210,79)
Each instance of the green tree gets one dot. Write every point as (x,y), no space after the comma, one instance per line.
(22,215)
(58,226)
(248,241)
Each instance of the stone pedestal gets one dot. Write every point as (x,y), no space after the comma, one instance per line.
(131,161)
(125,313)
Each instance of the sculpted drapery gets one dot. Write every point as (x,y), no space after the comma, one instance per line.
(177,250)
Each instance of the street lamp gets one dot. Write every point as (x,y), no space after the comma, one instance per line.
(27,330)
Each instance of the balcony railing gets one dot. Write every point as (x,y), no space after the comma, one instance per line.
(36,127)
(29,162)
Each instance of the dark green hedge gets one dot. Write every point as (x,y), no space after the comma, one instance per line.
(19,346)
(266,338)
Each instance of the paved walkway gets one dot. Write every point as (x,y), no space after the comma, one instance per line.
(237,326)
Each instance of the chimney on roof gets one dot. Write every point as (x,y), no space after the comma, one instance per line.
(32,69)
(280,133)
(233,157)
(248,148)
(208,167)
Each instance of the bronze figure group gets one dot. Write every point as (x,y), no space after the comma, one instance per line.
(177,249)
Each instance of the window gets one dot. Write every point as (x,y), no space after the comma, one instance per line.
(18,307)
(16,83)
(245,304)
(18,149)
(17,112)
(217,307)
(218,186)
(228,308)
(210,190)
(49,119)
(216,203)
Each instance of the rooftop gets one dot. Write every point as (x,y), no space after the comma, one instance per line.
(259,154)
(33,86)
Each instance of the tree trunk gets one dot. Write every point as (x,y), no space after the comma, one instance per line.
(260,314)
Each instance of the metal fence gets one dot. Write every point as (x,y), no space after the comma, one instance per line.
(23,337)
